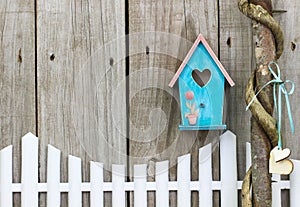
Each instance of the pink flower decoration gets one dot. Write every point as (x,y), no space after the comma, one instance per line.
(189,95)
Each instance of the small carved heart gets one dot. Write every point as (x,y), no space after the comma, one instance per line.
(280,154)
(283,167)
(201,78)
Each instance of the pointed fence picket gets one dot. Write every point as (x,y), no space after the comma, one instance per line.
(53,169)
(118,188)
(140,189)
(183,181)
(294,184)
(228,185)
(162,180)
(205,176)
(228,169)
(6,177)
(96,184)
(29,171)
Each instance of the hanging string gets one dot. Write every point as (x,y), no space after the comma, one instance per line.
(280,85)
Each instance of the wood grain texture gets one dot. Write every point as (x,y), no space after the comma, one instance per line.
(289,65)
(236,55)
(17,77)
(81,67)
(161,34)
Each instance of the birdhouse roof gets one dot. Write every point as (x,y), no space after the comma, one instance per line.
(211,53)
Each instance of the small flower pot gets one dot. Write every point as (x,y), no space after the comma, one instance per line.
(192,118)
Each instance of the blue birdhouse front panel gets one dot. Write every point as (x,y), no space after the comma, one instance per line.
(201,86)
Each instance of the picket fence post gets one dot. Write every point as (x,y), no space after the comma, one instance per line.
(295,184)
(118,179)
(96,197)
(228,170)
(162,179)
(140,190)
(6,177)
(205,176)
(183,181)
(29,171)
(74,173)
(53,177)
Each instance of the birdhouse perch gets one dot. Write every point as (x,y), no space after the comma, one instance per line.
(201,78)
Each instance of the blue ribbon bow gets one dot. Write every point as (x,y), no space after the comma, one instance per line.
(277,103)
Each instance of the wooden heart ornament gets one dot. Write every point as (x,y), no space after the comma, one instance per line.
(201,78)
(281,154)
(283,166)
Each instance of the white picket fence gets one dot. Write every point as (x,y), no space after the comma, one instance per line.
(228,185)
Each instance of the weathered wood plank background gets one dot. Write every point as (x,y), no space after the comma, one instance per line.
(74,110)
(71,75)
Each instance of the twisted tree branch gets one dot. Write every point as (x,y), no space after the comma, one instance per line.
(259,14)
(263,125)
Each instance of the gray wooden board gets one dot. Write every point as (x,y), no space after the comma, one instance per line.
(236,56)
(289,64)
(80,77)
(17,77)
(161,34)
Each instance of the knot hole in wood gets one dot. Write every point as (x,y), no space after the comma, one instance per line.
(52,56)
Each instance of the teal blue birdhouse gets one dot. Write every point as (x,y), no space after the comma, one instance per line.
(201,78)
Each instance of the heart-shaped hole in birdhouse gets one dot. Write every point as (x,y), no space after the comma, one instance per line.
(201,78)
